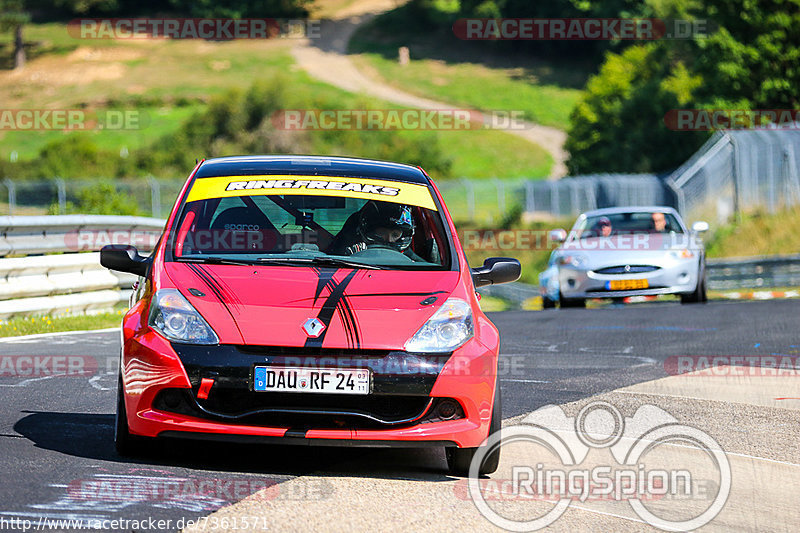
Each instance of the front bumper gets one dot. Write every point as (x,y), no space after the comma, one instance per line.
(401,409)
(679,277)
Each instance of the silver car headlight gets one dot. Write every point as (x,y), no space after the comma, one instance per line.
(573,260)
(682,254)
(174,317)
(448,328)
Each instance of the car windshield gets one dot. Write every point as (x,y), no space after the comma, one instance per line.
(627,224)
(303,227)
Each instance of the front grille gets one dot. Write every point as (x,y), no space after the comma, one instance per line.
(611,292)
(627,269)
(302,351)
(317,411)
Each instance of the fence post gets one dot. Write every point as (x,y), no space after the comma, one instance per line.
(530,205)
(62,196)
(155,196)
(554,207)
(469,190)
(12,195)
(771,177)
(575,207)
(501,195)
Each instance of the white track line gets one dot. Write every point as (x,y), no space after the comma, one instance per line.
(746,456)
(55,334)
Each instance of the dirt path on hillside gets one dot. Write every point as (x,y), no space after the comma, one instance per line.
(325,58)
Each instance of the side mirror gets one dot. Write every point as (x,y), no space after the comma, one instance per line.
(700,226)
(558,235)
(496,270)
(124,258)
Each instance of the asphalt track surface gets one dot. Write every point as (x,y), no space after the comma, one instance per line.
(58,460)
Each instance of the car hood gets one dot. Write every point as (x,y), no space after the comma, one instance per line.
(630,249)
(361,309)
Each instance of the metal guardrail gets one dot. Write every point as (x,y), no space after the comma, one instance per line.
(66,281)
(754,272)
(27,235)
(767,272)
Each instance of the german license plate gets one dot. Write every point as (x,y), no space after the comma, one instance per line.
(626,284)
(310,380)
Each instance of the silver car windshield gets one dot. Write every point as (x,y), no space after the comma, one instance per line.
(627,224)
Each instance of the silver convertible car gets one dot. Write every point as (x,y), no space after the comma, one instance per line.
(625,251)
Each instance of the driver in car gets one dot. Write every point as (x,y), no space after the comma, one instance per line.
(382,225)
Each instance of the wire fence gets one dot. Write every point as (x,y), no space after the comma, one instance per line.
(735,171)
(149,196)
(740,171)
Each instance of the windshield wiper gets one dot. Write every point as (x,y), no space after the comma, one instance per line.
(319,261)
(215,260)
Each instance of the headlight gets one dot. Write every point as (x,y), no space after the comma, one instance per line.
(574,260)
(175,318)
(448,328)
(682,254)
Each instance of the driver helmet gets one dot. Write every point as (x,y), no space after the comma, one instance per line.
(386,224)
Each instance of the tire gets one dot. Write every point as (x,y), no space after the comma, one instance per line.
(127,445)
(571,302)
(699,295)
(547,303)
(459,459)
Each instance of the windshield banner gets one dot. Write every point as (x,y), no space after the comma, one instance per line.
(367,189)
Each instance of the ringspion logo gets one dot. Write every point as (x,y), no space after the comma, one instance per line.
(672,475)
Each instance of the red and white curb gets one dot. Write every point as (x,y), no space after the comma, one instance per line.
(760,295)
(733,295)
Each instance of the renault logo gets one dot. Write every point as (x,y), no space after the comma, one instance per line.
(627,268)
(313,327)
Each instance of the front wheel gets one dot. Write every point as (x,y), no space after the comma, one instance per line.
(547,303)
(459,459)
(699,295)
(570,302)
(127,445)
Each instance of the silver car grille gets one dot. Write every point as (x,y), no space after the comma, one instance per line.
(627,269)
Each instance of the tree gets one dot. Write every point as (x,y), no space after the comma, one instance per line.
(618,126)
(12,19)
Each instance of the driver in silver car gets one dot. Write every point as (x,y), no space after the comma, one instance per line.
(381,225)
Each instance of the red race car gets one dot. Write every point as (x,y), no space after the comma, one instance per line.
(309,300)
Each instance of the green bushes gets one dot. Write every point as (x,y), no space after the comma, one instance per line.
(235,123)
(101,198)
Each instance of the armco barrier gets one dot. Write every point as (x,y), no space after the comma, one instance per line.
(754,272)
(767,272)
(69,278)
(57,267)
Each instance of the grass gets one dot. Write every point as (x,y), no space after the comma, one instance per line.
(533,256)
(15,327)
(475,75)
(491,304)
(155,122)
(757,233)
(169,80)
